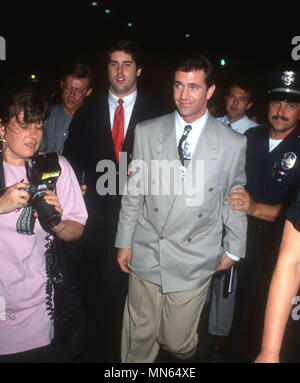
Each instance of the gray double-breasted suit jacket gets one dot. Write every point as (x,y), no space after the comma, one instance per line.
(179,229)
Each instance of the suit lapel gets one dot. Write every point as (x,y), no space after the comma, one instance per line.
(164,149)
(204,158)
(206,150)
(134,120)
(165,145)
(103,128)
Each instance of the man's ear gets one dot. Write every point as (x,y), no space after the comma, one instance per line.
(88,92)
(139,72)
(249,105)
(210,91)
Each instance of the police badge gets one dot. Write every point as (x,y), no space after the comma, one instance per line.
(288,160)
(279,170)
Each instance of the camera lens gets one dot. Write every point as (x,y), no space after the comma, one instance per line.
(48,216)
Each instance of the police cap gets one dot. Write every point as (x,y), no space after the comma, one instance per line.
(284,86)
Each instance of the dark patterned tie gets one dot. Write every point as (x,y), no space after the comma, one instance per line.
(183,138)
(118,129)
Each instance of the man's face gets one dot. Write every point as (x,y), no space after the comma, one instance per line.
(122,74)
(191,94)
(237,103)
(283,117)
(74,91)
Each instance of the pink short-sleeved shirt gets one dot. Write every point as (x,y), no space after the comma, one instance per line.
(24,321)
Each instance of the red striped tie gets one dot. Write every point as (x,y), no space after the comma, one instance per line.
(118,129)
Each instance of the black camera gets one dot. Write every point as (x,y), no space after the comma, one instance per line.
(42,174)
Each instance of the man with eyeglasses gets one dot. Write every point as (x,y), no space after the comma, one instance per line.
(75,88)
(238,103)
(273,175)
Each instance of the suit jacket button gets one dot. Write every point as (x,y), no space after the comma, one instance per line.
(200,215)
(189,239)
(210,189)
(161,237)
(156,209)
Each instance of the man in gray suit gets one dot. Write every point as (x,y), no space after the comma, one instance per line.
(170,232)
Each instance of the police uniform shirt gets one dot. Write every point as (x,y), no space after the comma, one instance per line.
(273,175)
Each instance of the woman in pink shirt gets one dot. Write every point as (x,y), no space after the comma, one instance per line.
(26,330)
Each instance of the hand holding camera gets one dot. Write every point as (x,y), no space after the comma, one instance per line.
(51,198)
(42,173)
(14,197)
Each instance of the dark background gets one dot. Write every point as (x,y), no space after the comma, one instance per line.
(42,37)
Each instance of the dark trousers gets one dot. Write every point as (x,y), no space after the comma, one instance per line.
(254,277)
(105,288)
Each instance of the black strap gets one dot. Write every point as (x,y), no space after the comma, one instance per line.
(2,179)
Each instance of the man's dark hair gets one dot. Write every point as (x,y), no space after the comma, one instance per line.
(245,85)
(36,107)
(128,47)
(196,62)
(79,71)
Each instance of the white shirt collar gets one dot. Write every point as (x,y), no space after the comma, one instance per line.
(197,127)
(238,122)
(128,100)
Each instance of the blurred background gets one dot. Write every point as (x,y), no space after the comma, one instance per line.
(42,37)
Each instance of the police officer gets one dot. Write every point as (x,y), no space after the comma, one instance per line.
(273,174)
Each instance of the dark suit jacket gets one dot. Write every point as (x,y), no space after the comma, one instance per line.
(90,141)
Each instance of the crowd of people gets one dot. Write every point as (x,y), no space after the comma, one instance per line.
(169,210)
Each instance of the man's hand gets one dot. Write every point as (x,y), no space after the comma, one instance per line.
(123,258)
(225,263)
(240,199)
(83,189)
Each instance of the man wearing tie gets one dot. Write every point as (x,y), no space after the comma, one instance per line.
(170,232)
(98,133)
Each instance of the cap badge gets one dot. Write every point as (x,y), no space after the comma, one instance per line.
(288,77)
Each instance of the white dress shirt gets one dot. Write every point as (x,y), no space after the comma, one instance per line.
(239,126)
(128,105)
(197,127)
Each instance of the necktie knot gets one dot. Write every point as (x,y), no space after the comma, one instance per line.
(187,130)
(120,101)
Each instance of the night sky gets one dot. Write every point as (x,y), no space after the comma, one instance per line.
(42,37)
